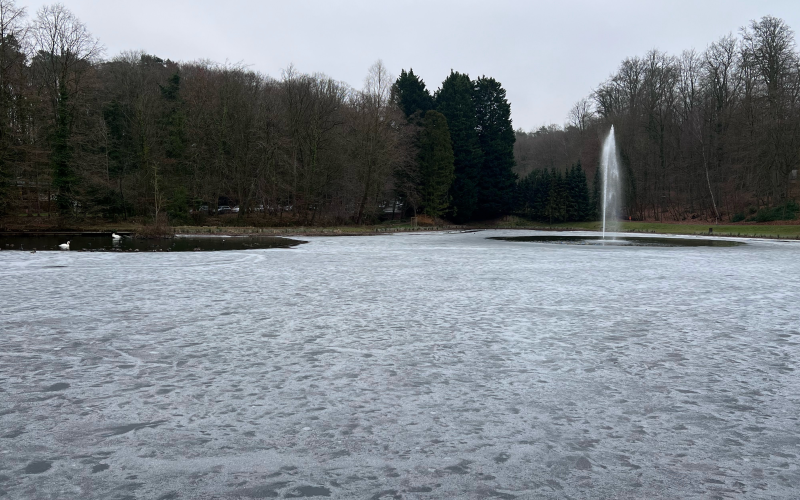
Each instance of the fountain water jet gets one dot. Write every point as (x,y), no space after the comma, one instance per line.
(609,163)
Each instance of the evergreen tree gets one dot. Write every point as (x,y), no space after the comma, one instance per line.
(597,197)
(119,154)
(496,135)
(571,195)
(410,94)
(173,121)
(173,126)
(454,101)
(435,164)
(12,64)
(64,177)
(584,201)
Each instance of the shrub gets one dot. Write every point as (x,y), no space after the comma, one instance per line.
(787,211)
(738,217)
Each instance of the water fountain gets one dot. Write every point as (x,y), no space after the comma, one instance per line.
(612,192)
(612,204)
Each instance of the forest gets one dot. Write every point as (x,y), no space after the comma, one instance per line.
(711,135)
(140,136)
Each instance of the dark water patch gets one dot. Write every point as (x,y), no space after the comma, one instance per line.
(461,468)
(124,429)
(387,495)
(176,244)
(308,491)
(60,386)
(622,241)
(496,494)
(38,467)
(13,434)
(99,468)
(258,492)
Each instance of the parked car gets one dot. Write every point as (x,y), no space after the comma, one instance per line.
(223,209)
(235,209)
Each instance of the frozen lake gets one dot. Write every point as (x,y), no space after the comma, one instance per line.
(402,366)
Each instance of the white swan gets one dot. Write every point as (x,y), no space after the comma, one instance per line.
(64,246)
(116,236)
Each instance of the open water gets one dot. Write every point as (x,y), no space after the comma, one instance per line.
(402,366)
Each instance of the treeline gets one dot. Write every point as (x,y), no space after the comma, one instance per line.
(477,118)
(712,134)
(138,135)
(552,196)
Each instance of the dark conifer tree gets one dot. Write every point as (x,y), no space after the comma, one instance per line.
(497,178)
(597,197)
(584,201)
(571,195)
(173,121)
(64,178)
(454,101)
(435,164)
(410,94)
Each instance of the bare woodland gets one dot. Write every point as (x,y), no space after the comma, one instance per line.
(711,135)
(138,135)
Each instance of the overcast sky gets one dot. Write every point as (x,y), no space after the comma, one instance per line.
(547,54)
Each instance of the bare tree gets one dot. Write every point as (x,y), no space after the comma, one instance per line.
(63,50)
(580,114)
(376,135)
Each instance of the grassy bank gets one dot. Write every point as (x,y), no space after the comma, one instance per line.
(232,225)
(743,230)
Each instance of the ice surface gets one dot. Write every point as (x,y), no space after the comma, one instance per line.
(402,366)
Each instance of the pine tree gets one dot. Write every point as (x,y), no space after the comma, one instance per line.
(64,177)
(584,201)
(410,94)
(435,164)
(597,201)
(571,195)
(173,120)
(454,101)
(496,135)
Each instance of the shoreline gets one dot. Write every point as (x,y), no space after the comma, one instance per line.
(773,231)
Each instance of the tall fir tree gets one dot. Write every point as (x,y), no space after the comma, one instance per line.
(584,200)
(435,164)
(173,120)
(64,177)
(496,135)
(410,94)
(597,197)
(454,101)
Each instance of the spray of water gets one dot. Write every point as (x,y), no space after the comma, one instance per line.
(609,163)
